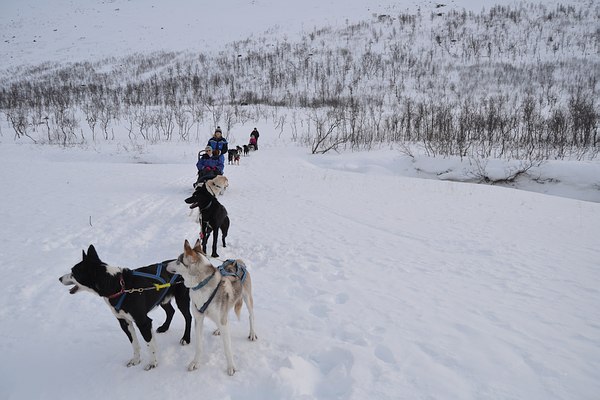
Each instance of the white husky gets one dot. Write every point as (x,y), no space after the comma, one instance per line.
(214,291)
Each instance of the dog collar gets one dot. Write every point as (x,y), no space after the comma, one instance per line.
(203,283)
(120,292)
(204,208)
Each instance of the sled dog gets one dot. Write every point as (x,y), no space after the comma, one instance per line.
(214,292)
(217,185)
(213,216)
(233,155)
(131,294)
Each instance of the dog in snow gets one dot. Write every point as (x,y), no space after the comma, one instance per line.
(213,217)
(131,294)
(233,155)
(214,292)
(217,185)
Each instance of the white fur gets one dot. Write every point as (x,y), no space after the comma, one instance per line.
(68,280)
(199,269)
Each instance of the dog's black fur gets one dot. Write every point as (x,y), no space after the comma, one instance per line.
(213,216)
(233,156)
(96,276)
(246,149)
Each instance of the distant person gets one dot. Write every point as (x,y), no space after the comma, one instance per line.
(218,142)
(254,134)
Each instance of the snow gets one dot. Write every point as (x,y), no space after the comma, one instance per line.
(63,30)
(369,281)
(366,284)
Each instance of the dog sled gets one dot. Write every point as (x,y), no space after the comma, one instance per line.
(204,176)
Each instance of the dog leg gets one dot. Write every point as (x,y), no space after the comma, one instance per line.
(225,335)
(198,326)
(170,311)
(223,327)
(214,243)
(225,230)
(130,332)
(249,301)
(183,303)
(145,328)
(205,235)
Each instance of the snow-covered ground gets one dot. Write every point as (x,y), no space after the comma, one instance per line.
(369,281)
(366,285)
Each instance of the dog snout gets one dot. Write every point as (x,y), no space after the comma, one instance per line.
(66,279)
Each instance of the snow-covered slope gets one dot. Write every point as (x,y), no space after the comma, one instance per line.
(367,285)
(86,30)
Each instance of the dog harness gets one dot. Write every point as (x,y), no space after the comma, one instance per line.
(240,269)
(240,273)
(157,286)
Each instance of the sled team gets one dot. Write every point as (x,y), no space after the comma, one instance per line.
(191,278)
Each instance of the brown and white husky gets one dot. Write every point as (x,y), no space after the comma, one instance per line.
(214,291)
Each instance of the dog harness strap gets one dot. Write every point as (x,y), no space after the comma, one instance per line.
(203,283)
(210,299)
(120,302)
(163,285)
(152,276)
(209,204)
(240,269)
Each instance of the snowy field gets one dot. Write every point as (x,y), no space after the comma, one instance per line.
(366,285)
(369,281)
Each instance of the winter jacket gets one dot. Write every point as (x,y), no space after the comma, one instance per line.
(216,164)
(218,144)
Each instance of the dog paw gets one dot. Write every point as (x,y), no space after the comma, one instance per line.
(184,341)
(214,255)
(252,337)
(150,366)
(162,329)
(216,332)
(193,366)
(133,361)
(231,370)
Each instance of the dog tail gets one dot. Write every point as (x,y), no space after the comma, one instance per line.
(238,308)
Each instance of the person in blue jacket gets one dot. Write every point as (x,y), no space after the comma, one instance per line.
(210,164)
(218,142)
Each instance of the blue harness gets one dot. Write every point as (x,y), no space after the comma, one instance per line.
(240,269)
(240,272)
(156,277)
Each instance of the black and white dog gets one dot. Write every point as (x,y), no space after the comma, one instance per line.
(131,294)
(233,156)
(213,216)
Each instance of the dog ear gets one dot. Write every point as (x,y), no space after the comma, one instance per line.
(198,247)
(187,249)
(92,253)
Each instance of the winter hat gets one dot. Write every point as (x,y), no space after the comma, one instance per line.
(218,129)
(208,148)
